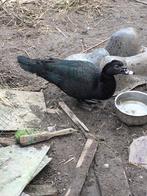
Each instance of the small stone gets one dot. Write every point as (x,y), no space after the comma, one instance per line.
(138,152)
(51,128)
(106,165)
(84,32)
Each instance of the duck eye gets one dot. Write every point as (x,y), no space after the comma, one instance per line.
(117,66)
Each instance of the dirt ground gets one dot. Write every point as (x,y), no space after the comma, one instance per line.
(47,40)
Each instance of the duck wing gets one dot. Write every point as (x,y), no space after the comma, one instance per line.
(76,78)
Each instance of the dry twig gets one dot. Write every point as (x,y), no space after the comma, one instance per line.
(31,13)
(61,32)
(23,50)
(90,48)
(138,1)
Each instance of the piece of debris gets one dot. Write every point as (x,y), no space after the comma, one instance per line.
(69,160)
(73,117)
(60,31)
(21,109)
(27,137)
(51,128)
(141,177)
(41,190)
(20,1)
(24,194)
(110,172)
(5,102)
(19,166)
(106,165)
(82,167)
(53,111)
(138,152)
(5,141)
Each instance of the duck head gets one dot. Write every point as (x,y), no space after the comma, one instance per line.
(116,67)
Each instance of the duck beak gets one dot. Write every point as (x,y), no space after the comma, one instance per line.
(127,71)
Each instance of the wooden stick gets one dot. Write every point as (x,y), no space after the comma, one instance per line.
(138,1)
(3,2)
(101,42)
(23,50)
(42,136)
(73,117)
(61,32)
(82,167)
(4,141)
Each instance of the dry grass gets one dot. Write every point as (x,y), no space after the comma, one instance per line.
(76,5)
(31,12)
(22,13)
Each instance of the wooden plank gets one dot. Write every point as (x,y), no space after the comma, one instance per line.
(82,167)
(72,116)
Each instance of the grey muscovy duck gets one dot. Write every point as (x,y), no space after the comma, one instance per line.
(79,79)
(94,57)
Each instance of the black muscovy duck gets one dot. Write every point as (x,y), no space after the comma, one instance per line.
(79,79)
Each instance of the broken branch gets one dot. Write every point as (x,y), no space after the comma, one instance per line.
(61,32)
(138,1)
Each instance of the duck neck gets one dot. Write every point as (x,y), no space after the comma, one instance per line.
(108,85)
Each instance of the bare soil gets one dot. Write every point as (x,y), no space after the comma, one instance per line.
(47,40)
